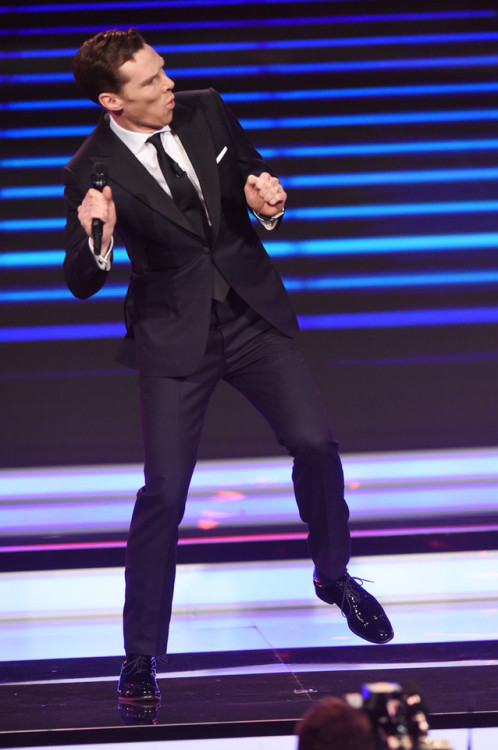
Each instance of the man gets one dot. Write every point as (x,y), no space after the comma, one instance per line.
(204,303)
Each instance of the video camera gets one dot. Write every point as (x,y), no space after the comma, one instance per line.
(398,716)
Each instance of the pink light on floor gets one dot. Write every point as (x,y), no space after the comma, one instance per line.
(206,524)
(228,496)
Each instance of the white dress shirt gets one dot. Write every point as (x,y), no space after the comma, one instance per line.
(146,154)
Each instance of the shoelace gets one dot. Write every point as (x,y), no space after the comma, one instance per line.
(140,663)
(348,590)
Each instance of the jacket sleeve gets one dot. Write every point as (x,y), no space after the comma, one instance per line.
(81,273)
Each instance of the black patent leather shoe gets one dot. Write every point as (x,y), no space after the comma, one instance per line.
(365,616)
(137,681)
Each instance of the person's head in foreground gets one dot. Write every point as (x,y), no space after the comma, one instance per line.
(332,724)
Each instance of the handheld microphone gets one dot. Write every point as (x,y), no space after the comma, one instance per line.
(99,181)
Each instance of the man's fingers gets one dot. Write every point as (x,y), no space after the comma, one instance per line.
(96,205)
(100,202)
(267,186)
(265,193)
(107,193)
(272,192)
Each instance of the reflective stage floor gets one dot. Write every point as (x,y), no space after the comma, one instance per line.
(251,648)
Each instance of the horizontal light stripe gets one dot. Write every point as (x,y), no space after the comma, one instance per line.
(391,319)
(266,22)
(400,319)
(278,44)
(360,41)
(15,79)
(294,285)
(294,95)
(34,162)
(60,294)
(31,191)
(415,176)
(51,132)
(307,181)
(374,245)
(391,281)
(20,106)
(362,149)
(62,332)
(255,478)
(321,213)
(272,123)
(300,152)
(282,68)
(32,225)
(361,92)
(41,258)
(311,213)
(141,4)
(382,118)
(287,248)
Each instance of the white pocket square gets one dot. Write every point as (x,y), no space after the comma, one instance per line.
(221,154)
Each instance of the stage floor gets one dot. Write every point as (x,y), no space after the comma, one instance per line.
(251,648)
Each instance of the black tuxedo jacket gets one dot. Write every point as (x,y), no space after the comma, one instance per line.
(169,298)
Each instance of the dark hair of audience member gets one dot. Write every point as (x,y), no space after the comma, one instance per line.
(332,724)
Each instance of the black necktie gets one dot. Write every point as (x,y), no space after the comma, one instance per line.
(183,192)
(186,198)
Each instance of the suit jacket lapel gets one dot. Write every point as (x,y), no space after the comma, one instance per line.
(125,169)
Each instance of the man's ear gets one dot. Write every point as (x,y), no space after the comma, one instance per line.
(111,102)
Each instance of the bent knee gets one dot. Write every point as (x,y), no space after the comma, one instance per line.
(315,445)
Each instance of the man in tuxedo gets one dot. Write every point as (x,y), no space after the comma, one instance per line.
(204,303)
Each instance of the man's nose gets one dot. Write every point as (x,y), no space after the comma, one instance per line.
(168,84)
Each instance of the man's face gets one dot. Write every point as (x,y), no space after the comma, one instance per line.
(145,102)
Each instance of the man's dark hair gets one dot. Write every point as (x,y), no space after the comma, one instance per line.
(96,64)
(335,725)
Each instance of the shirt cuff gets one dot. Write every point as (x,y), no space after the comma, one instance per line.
(269,222)
(103,261)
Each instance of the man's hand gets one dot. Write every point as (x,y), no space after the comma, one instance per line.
(265,194)
(98,205)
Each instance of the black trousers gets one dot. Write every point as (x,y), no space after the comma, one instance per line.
(268,369)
